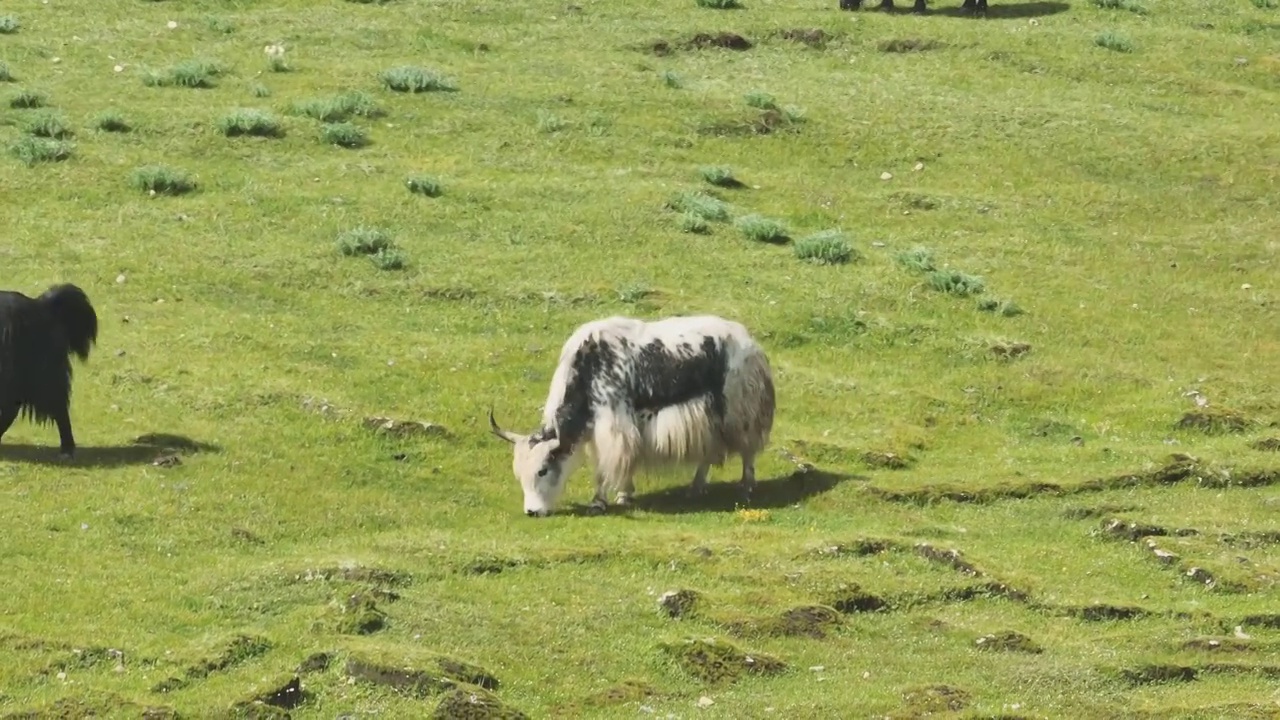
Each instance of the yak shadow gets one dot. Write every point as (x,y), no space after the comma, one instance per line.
(995,11)
(1005,11)
(144,450)
(726,496)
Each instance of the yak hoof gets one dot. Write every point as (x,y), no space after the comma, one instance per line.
(623,499)
(597,507)
(67,456)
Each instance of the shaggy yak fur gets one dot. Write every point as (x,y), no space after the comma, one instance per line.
(37,338)
(638,394)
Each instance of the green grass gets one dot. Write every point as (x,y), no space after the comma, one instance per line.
(28,100)
(1127,5)
(6,73)
(200,74)
(112,121)
(758,228)
(344,134)
(828,247)
(256,487)
(339,108)
(1112,40)
(9,24)
(424,185)
(250,121)
(32,150)
(162,180)
(410,79)
(47,124)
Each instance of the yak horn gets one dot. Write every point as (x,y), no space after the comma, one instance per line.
(504,434)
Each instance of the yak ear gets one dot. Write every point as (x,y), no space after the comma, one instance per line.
(507,435)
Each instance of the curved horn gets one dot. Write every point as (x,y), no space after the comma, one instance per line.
(504,434)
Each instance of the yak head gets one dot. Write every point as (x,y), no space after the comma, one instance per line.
(541,466)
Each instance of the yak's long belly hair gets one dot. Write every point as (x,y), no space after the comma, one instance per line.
(37,338)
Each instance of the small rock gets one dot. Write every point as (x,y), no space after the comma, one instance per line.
(919,166)
(886,175)
(1246,286)
(120,279)
(119,353)
(1242,61)
(118,68)
(818,668)
(173,25)
(705,702)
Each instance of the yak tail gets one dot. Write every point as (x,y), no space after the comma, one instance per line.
(71,308)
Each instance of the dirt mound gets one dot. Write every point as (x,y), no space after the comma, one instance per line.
(716,661)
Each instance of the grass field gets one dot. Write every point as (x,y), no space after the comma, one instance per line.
(1016,276)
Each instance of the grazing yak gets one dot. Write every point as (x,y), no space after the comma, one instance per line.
(639,394)
(37,338)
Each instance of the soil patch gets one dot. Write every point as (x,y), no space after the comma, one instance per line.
(1271,444)
(238,650)
(359,574)
(852,599)
(316,662)
(94,705)
(474,703)
(1115,527)
(1008,641)
(1217,644)
(701,41)
(1214,422)
(715,661)
(905,45)
(680,603)
(624,692)
(950,558)
(859,548)
(1102,612)
(416,683)
(360,615)
(929,699)
(1151,674)
(813,621)
(813,37)
(404,428)
(885,460)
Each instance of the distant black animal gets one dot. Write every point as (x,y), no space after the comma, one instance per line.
(37,339)
(976,6)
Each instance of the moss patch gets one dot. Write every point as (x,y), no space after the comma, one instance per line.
(474,703)
(715,661)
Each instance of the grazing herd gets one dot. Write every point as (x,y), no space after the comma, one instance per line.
(632,394)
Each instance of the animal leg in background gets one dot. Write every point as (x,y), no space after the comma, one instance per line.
(7,416)
(65,436)
(748,482)
(599,503)
(699,484)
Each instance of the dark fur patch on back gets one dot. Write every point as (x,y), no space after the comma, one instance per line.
(648,378)
(37,335)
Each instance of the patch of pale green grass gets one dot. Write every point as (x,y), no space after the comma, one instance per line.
(1115,41)
(364,240)
(344,134)
(31,150)
(6,73)
(338,108)
(427,185)
(411,79)
(700,204)
(672,79)
(9,24)
(1126,5)
(828,247)
(250,121)
(200,74)
(112,121)
(47,124)
(759,228)
(162,180)
(28,99)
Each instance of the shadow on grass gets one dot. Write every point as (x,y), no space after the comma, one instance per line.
(995,11)
(777,492)
(144,449)
(1005,11)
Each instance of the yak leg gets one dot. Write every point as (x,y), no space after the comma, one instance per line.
(699,484)
(626,491)
(68,440)
(918,7)
(850,4)
(7,416)
(748,482)
(599,503)
(886,5)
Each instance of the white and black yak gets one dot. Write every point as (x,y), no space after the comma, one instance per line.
(37,338)
(638,394)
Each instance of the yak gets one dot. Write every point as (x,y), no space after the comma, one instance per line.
(638,394)
(38,336)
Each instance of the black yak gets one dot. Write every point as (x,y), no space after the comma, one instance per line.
(37,339)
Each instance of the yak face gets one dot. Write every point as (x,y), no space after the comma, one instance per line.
(539,466)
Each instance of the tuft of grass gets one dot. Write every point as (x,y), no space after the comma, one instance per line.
(220,25)
(47,124)
(762,229)
(27,100)
(1266,4)
(391,258)
(260,91)
(1112,40)
(761,100)
(424,185)
(199,74)
(339,108)
(364,240)
(32,150)
(702,205)
(411,79)
(1005,308)
(1127,5)
(6,75)
(694,224)
(719,176)
(957,283)
(9,24)
(162,180)
(828,247)
(672,79)
(917,259)
(250,121)
(345,135)
(719,4)
(549,122)
(111,121)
